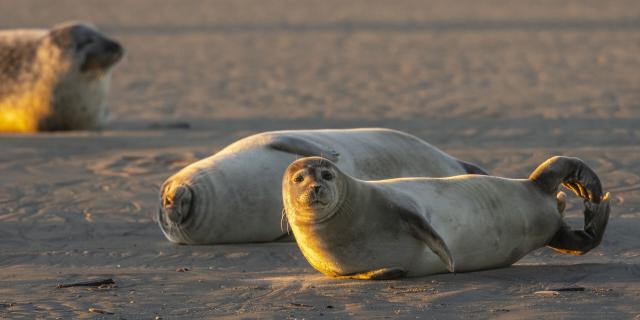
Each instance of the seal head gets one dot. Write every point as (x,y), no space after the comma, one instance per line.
(315,188)
(180,209)
(55,79)
(342,223)
(93,52)
(217,205)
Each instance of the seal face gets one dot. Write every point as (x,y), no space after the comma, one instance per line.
(315,190)
(219,210)
(419,226)
(55,79)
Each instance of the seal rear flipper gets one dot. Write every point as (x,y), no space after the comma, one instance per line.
(570,172)
(422,230)
(583,181)
(471,168)
(302,147)
(380,274)
(579,242)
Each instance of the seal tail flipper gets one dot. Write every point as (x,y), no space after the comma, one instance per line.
(471,168)
(570,172)
(583,181)
(579,242)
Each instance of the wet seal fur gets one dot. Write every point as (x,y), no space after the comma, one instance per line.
(388,229)
(55,79)
(234,196)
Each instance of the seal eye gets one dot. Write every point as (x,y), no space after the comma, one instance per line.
(299,178)
(327,175)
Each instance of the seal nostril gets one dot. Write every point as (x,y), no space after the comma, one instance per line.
(113,46)
(316,189)
(176,203)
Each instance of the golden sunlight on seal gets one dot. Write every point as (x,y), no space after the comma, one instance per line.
(388,229)
(55,79)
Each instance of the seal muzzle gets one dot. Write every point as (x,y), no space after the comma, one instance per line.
(177,200)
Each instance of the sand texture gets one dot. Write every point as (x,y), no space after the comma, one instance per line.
(502,83)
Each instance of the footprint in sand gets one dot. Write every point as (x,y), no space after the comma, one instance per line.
(127,165)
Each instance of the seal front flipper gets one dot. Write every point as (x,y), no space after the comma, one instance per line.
(421,229)
(302,147)
(471,168)
(380,274)
(583,181)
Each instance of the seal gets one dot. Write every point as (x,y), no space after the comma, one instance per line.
(234,196)
(388,229)
(55,79)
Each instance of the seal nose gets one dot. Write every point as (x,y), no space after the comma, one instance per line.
(316,188)
(113,47)
(177,202)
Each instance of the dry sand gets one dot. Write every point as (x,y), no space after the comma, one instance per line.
(505,84)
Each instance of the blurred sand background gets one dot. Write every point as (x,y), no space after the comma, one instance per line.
(505,84)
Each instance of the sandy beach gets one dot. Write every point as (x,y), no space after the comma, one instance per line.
(502,83)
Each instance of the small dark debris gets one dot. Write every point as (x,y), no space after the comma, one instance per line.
(568,289)
(329,307)
(96,283)
(499,310)
(183,269)
(171,125)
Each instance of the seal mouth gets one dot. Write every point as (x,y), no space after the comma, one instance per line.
(317,203)
(315,210)
(316,198)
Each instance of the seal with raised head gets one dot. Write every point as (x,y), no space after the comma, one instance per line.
(387,229)
(55,79)
(235,196)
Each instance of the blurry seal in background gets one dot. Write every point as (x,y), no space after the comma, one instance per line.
(55,79)
(387,229)
(234,196)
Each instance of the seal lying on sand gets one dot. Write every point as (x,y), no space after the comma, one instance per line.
(55,79)
(420,226)
(235,195)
